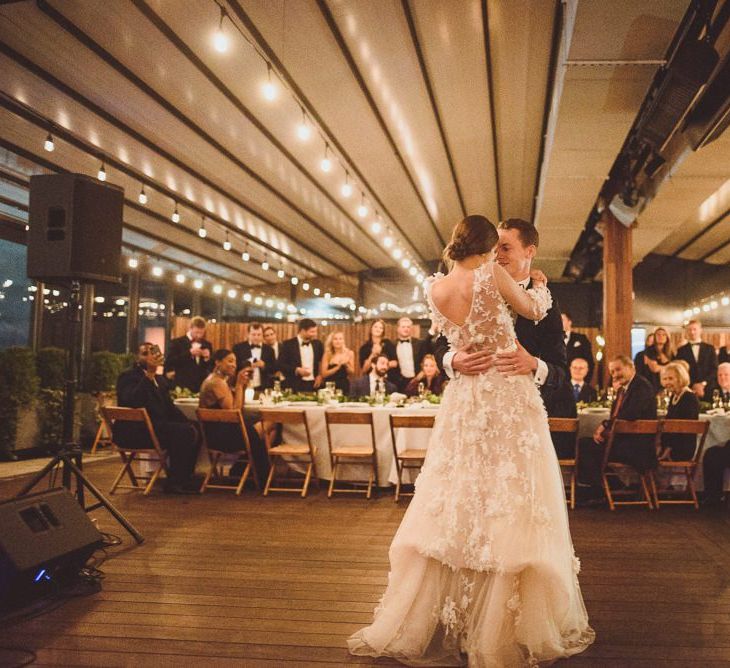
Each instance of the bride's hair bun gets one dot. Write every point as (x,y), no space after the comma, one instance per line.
(474,235)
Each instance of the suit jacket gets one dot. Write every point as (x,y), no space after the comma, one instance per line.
(545,340)
(577,346)
(703,369)
(242,351)
(189,373)
(710,389)
(290,359)
(724,355)
(360,387)
(587,393)
(395,376)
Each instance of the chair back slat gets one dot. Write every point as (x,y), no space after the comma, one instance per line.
(685,426)
(348,417)
(647,427)
(131,428)
(274,415)
(224,430)
(563,425)
(412,421)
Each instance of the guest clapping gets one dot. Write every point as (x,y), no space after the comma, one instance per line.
(683,405)
(376,345)
(429,375)
(338,362)
(701,358)
(656,357)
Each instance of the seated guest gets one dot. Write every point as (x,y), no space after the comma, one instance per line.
(376,380)
(300,358)
(188,357)
(577,345)
(216,392)
(721,385)
(635,400)
(639,357)
(429,375)
(582,390)
(141,387)
(683,405)
(656,357)
(701,358)
(409,353)
(717,458)
(375,345)
(271,340)
(338,362)
(256,353)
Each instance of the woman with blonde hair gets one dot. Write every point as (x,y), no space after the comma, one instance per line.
(338,362)
(683,405)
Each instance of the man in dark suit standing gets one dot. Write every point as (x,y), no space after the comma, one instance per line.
(582,389)
(188,361)
(541,346)
(258,355)
(635,400)
(271,340)
(701,357)
(577,345)
(300,358)
(409,353)
(141,387)
(376,380)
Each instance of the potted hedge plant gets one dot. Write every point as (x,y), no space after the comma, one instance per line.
(51,368)
(18,389)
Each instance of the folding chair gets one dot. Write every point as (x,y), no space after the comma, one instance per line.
(686,467)
(352,454)
(138,444)
(568,426)
(410,458)
(294,452)
(224,434)
(614,468)
(103,436)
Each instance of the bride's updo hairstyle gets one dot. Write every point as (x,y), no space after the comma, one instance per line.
(474,235)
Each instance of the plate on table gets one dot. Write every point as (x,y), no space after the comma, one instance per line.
(188,401)
(594,410)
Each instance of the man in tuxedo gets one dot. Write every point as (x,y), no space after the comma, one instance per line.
(541,345)
(377,379)
(577,344)
(141,387)
(717,458)
(721,384)
(188,360)
(582,389)
(701,357)
(410,354)
(256,353)
(271,340)
(635,400)
(300,358)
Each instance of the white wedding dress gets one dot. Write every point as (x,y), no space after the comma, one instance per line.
(483,571)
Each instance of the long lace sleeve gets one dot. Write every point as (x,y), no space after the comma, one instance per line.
(532,304)
(540,302)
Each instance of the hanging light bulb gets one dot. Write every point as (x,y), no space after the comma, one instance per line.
(247,296)
(48,144)
(327,295)
(133,262)
(175,215)
(326,164)
(405,263)
(305,286)
(265,263)
(102,173)
(281,273)
(346,189)
(142,196)
(269,89)
(362,210)
(246,256)
(157,271)
(232,293)
(376,228)
(294,280)
(217,289)
(180,278)
(202,232)
(227,243)
(397,253)
(197,284)
(413,271)
(316,292)
(304,132)
(220,39)
(388,242)
(258,301)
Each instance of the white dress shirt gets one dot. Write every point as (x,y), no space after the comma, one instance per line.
(696,350)
(404,351)
(255,356)
(374,380)
(307,355)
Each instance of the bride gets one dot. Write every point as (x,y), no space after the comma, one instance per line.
(482,567)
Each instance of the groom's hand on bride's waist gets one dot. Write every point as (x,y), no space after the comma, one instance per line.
(516,363)
(472,363)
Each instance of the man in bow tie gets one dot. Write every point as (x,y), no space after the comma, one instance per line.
(300,358)
(410,353)
(717,458)
(577,345)
(257,354)
(701,358)
(188,359)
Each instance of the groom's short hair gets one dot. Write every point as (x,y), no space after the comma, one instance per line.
(526,231)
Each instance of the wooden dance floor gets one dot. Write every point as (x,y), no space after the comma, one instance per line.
(283,581)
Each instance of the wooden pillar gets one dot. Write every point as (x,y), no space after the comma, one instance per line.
(618,288)
(133,313)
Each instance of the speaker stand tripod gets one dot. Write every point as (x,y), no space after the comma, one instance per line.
(69,454)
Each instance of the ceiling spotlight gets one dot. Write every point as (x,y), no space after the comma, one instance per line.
(294,280)
(157,271)
(180,278)
(305,286)
(376,228)
(388,242)
(326,164)
(362,210)
(232,293)
(142,196)
(346,189)
(281,273)
(220,39)
(217,289)
(397,253)
(175,215)
(133,263)
(102,173)
(405,263)
(48,144)
(202,232)
(227,243)
(269,89)
(316,292)
(304,132)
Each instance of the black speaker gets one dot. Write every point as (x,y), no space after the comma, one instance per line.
(75,229)
(45,539)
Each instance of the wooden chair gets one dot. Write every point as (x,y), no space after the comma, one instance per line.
(352,454)
(686,467)
(298,452)
(409,458)
(568,426)
(145,448)
(635,428)
(103,436)
(224,434)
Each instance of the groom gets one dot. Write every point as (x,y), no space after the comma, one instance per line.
(541,345)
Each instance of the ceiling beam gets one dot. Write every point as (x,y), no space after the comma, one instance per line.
(490,89)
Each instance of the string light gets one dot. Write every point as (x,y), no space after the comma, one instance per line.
(304,132)
(247,296)
(142,196)
(388,242)
(413,271)
(258,301)
(281,273)
(202,232)
(133,263)
(269,89)
(294,280)
(376,228)
(217,289)
(232,293)
(305,286)
(346,189)
(265,263)
(180,278)
(327,295)
(362,210)
(220,39)
(246,256)
(101,175)
(269,303)
(316,292)
(48,144)
(227,243)
(397,253)
(405,263)
(157,271)
(326,164)
(175,215)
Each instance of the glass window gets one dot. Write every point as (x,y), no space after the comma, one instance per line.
(17,294)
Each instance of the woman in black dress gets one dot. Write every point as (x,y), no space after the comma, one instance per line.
(376,345)
(683,405)
(657,357)
(429,375)
(338,362)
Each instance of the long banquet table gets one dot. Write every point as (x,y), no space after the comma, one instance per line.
(719,433)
